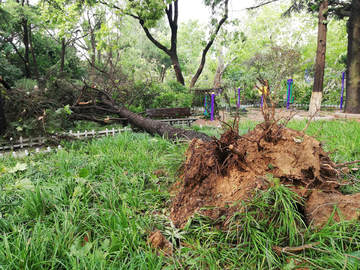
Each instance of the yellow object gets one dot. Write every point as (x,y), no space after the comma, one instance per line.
(263,90)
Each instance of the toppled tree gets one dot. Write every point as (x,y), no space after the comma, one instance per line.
(109,105)
(113,97)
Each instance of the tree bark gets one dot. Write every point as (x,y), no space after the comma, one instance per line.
(316,97)
(353,61)
(93,48)
(62,55)
(34,57)
(3,123)
(172,16)
(220,68)
(111,73)
(5,84)
(26,45)
(177,68)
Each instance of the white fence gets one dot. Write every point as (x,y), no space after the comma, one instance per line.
(39,141)
(106,132)
(27,153)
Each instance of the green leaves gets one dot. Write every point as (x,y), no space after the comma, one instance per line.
(83,248)
(24,184)
(150,12)
(18,167)
(84,173)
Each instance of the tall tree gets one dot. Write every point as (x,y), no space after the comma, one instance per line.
(209,44)
(92,22)
(63,20)
(3,123)
(149,12)
(36,70)
(15,30)
(316,96)
(353,61)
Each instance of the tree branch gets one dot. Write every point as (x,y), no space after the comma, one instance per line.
(5,84)
(208,45)
(149,36)
(262,4)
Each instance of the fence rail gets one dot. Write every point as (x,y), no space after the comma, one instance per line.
(38,141)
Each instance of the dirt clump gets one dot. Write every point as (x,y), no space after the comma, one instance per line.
(320,206)
(224,171)
(158,241)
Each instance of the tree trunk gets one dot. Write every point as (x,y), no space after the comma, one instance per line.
(316,97)
(156,127)
(34,58)
(172,14)
(93,48)
(111,73)
(62,55)
(220,68)
(26,45)
(177,68)
(2,113)
(353,61)
(99,56)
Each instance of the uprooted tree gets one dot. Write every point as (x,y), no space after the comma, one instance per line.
(221,174)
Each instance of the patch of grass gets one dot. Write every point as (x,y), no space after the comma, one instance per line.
(94,204)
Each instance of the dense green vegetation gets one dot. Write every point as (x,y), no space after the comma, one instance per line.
(54,45)
(93,205)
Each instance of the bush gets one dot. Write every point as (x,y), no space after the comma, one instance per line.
(166,95)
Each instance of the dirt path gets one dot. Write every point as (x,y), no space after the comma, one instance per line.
(256,115)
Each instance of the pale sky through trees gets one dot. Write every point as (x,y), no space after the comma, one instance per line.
(196,10)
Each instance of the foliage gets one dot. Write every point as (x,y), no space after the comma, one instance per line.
(34,112)
(9,73)
(277,64)
(166,95)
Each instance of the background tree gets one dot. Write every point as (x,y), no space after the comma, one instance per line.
(353,60)
(14,30)
(149,13)
(316,97)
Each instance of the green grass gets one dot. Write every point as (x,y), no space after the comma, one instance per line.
(94,204)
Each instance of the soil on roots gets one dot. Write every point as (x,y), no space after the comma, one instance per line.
(221,172)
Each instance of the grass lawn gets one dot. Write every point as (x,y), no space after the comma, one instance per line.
(94,204)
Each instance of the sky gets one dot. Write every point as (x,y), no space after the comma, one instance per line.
(196,10)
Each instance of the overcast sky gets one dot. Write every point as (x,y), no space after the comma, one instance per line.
(195,9)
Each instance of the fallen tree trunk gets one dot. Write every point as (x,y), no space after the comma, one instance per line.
(147,124)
